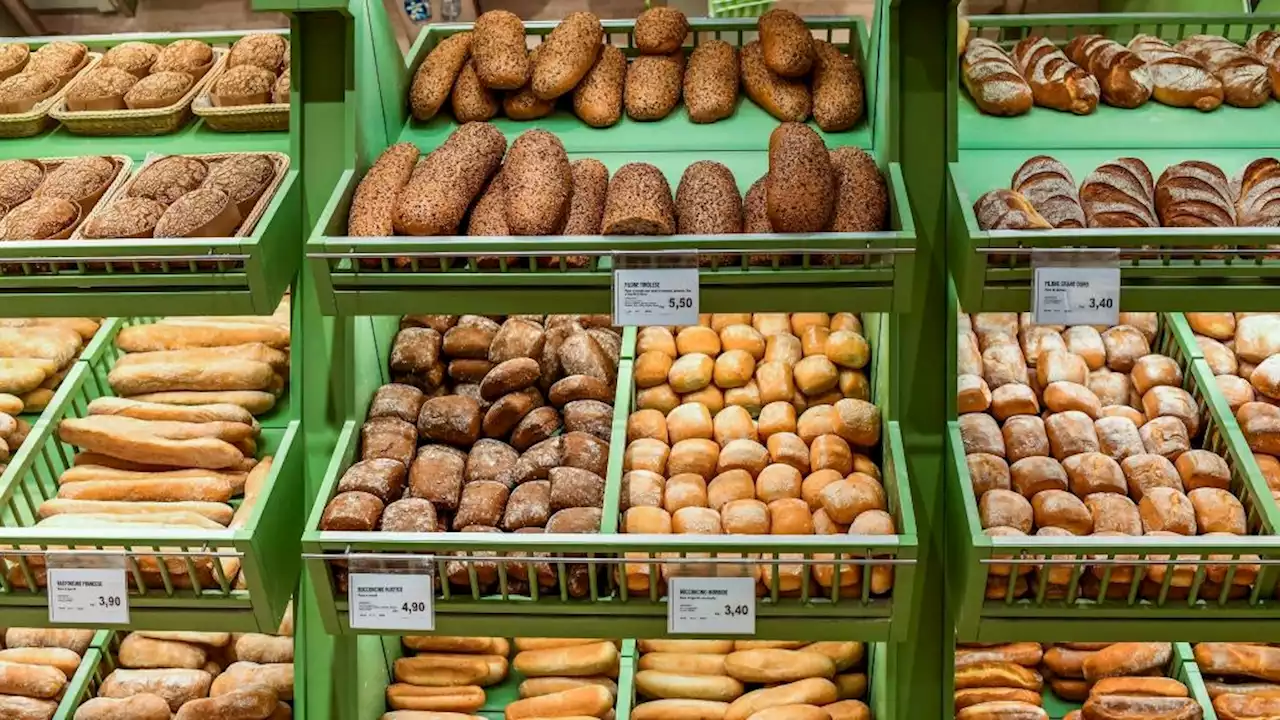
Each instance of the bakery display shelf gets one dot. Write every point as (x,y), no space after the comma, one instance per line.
(1102,613)
(1151,125)
(1161,269)
(747,129)
(389,275)
(186,584)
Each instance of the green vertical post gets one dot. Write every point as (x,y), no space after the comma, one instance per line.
(921,667)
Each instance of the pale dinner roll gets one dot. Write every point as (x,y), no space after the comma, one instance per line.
(734,368)
(1124,345)
(698,339)
(646,454)
(802,321)
(1174,402)
(1203,469)
(1039,340)
(776,417)
(815,375)
(986,472)
(651,368)
(743,337)
(710,397)
(981,433)
(1148,471)
(747,397)
(1070,433)
(813,340)
(847,349)
(1094,472)
(776,381)
(1218,511)
(784,348)
(854,384)
(790,516)
(745,517)
(691,372)
(734,423)
(1118,437)
(1166,435)
(1005,508)
(777,482)
(813,485)
(1004,364)
(642,488)
(1217,325)
(1014,399)
(729,486)
(1257,337)
(1152,370)
(1024,436)
(789,449)
(1055,365)
(720,321)
(968,354)
(771,323)
(820,420)
(1086,342)
(846,499)
(647,424)
(1036,474)
(1112,512)
(694,456)
(831,452)
(1236,390)
(647,520)
(656,339)
(1167,509)
(846,321)
(661,398)
(696,521)
(684,490)
(1063,396)
(858,422)
(1266,377)
(690,420)
(991,325)
(1147,323)
(743,455)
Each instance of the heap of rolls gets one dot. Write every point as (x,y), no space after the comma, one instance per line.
(35,667)
(1112,681)
(490,70)
(750,680)
(489,427)
(1242,678)
(1080,431)
(473,185)
(445,678)
(1243,350)
(756,424)
(197,676)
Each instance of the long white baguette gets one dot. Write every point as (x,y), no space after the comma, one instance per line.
(277,359)
(94,473)
(182,333)
(139,410)
(255,401)
(183,519)
(220,513)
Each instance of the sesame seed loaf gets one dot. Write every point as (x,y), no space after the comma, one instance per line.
(39,219)
(802,186)
(837,88)
(374,205)
(660,30)
(498,50)
(711,82)
(440,192)
(786,42)
(471,100)
(755,210)
(537,183)
(597,100)
(783,98)
(489,216)
(242,177)
(124,218)
(638,202)
(653,86)
(862,198)
(26,85)
(58,58)
(135,58)
(707,200)
(434,78)
(570,51)
(265,50)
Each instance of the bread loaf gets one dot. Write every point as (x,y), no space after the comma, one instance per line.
(993,81)
(1047,184)
(1177,79)
(1120,194)
(176,687)
(786,99)
(567,54)
(1122,76)
(1008,210)
(138,707)
(1194,194)
(1245,79)
(1055,81)
(435,77)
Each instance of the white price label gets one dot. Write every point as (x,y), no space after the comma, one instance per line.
(655,296)
(391,601)
(88,596)
(1076,295)
(711,606)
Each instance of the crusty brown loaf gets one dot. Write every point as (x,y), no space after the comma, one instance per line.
(786,99)
(707,200)
(1177,79)
(38,219)
(537,182)
(1122,76)
(434,78)
(660,30)
(802,185)
(1258,204)
(169,178)
(1055,81)
(837,88)
(1120,193)
(470,99)
(567,55)
(755,210)
(597,100)
(522,104)
(1245,80)
(1008,210)
(440,192)
(1048,185)
(786,42)
(1194,194)
(653,84)
(1266,47)
(993,80)
(586,206)
(862,197)
(498,51)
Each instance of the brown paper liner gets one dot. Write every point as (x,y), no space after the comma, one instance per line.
(69,75)
(158,103)
(246,206)
(66,232)
(234,100)
(203,70)
(18,107)
(115,102)
(223,224)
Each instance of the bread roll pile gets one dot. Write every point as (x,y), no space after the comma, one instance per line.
(1243,350)
(755,425)
(197,676)
(35,667)
(750,679)
(490,427)
(1113,681)
(489,70)
(561,677)
(1076,431)
(1242,678)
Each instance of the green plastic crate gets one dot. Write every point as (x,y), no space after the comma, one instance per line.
(738,8)
(1161,269)
(1152,125)
(1092,616)
(1182,667)
(267,545)
(608,610)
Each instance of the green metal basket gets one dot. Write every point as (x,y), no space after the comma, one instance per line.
(737,8)
(1160,268)
(1152,125)
(266,546)
(1182,667)
(1085,615)
(606,609)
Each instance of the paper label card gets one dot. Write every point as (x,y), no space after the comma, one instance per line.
(88,596)
(391,601)
(655,296)
(711,606)
(1076,295)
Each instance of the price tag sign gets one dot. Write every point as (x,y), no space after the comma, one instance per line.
(1076,295)
(655,296)
(87,589)
(711,606)
(390,601)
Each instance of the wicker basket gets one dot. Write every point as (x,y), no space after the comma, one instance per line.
(156,121)
(266,117)
(35,120)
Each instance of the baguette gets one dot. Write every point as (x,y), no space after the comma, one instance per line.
(61,658)
(33,681)
(534,687)
(1245,79)
(590,701)
(180,518)
(1238,660)
(1028,654)
(256,352)
(211,639)
(997,674)
(975,696)
(188,334)
(778,666)
(467,698)
(1246,707)
(208,375)
(1140,686)
(441,670)
(1122,76)
(256,402)
(1119,707)
(251,701)
(373,206)
(277,676)
(572,661)
(454,644)
(137,651)
(427,715)
(138,707)
(1177,79)
(722,647)
(127,407)
(214,490)
(683,663)
(1047,184)
(90,473)
(1003,710)
(264,649)
(13,707)
(59,345)
(669,685)
(1215,688)
(680,710)
(130,439)
(813,691)
(86,328)
(1055,81)
(91,459)
(77,641)
(1126,659)
(993,81)
(793,712)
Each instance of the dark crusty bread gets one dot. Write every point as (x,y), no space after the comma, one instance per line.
(437,475)
(409,515)
(638,202)
(755,209)
(783,98)
(1194,193)
(660,30)
(707,200)
(567,55)
(711,81)
(597,100)
(169,178)
(586,206)
(1055,81)
(1122,76)
(1048,185)
(440,192)
(434,78)
(39,219)
(862,198)
(1265,45)
(1007,210)
(1245,79)
(126,217)
(837,88)
(450,419)
(537,184)
(501,60)
(802,185)
(374,204)
(1120,193)
(523,104)
(787,43)
(471,100)
(1259,201)
(653,86)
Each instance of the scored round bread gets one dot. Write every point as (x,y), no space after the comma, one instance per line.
(434,78)
(638,202)
(101,84)
(802,185)
(711,81)
(242,176)
(498,50)
(13,57)
(653,84)
(126,217)
(39,219)
(159,89)
(786,99)
(186,55)
(134,57)
(707,200)
(660,30)
(18,180)
(862,198)
(169,178)
(242,85)
(837,88)
(26,85)
(78,178)
(597,100)
(265,50)
(190,214)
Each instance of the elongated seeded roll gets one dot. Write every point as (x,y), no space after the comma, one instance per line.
(435,76)
(837,88)
(755,210)
(802,186)
(586,207)
(597,100)
(440,191)
(537,184)
(472,101)
(653,86)
(498,51)
(862,198)
(707,200)
(523,104)
(711,82)
(787,44)
(567,55)
(638,202)
(784,98)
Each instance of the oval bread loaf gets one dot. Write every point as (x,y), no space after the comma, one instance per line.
(638,202)
(778,666)
(435,77)
(837,88)
(448,180)
(660,30)
(786,43)
(501,61)
(653,84)
(711,82)
(538,183)
(597,100)
(802,188)
(784,98)
(566,56)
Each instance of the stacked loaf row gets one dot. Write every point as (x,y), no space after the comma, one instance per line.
(1242,678)
(755,425)
(490,70)
(1124,194)
(467,185)
(197,676)
(1072,431)
(490,427)
(48,199)
(1112,681)
(142,76)
(35,667)
(1243,351)
(750,680)
(559,677)
(27,78)
(1201,71)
